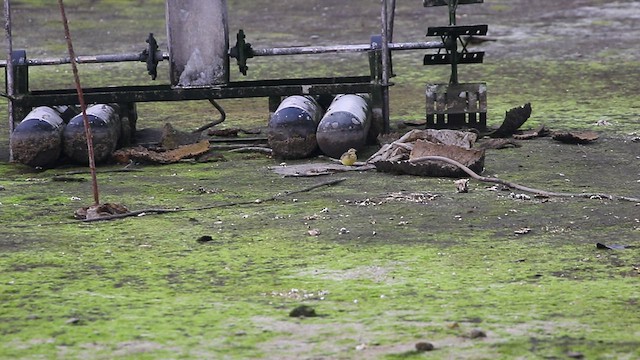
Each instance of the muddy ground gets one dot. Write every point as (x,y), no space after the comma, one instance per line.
(393,260)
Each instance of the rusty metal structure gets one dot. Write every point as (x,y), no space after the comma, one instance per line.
(200,66)
(454,104)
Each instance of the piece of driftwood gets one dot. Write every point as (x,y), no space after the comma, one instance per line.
(400,149)
(497,144)
(173,138)
(511,185)
(142,154)
(541,131)
(100,211)
(576,137)
(513,119)
(472,158)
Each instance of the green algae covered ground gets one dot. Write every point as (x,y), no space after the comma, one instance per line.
(390,261)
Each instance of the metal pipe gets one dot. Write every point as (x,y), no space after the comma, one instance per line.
(9,72)
(86,59)
(220,120)
(302,50)
(385,67)
(392,15)
(298,50)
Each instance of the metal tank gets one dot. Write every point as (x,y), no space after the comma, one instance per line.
(37,140)
(345,125)
(292,127)
(106,130)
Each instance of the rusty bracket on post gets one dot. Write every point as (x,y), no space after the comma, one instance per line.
(241,52)
(151,55)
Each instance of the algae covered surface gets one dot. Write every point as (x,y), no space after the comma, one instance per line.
(385,261)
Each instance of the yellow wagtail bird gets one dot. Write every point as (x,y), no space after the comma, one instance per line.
(349,158)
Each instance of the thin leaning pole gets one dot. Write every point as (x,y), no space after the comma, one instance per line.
(83,106)
(9,72)
(385,66)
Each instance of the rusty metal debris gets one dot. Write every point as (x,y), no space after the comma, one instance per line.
(576,137)
(513,119)
(395,157)
(141,154)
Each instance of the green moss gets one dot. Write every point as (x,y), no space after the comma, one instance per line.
(384,273)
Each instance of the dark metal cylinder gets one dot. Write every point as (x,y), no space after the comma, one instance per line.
(104,121)
(345,125)
(37,140)
(292,127)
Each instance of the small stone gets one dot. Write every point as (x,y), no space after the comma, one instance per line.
(303,311)
(204,239)
(361,347)
(73,321)
(575,355)
(424,346)
(462,185)
(477,333)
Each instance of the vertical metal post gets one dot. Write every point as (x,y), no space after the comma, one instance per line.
(390,21)
(452,5)
(9,71)
(452,42)
(391,12)
(385,67)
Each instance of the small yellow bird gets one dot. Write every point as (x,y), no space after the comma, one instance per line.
(349,158)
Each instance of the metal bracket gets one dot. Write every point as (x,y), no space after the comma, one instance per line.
(151,56)
(450,36)
(428,3)
(457,30)
(241,52)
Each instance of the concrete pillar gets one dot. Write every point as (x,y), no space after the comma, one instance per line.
(198,39)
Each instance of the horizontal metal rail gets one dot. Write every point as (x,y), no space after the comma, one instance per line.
(296,50)
(86,59)
(301,50)
(240,89)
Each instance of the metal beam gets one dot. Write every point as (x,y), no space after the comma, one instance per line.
(241,89)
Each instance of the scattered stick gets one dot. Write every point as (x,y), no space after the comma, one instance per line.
(258,149)
(87,128)
(79,172)
(62,178)
(228,147)
(206,207)
(521,187)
